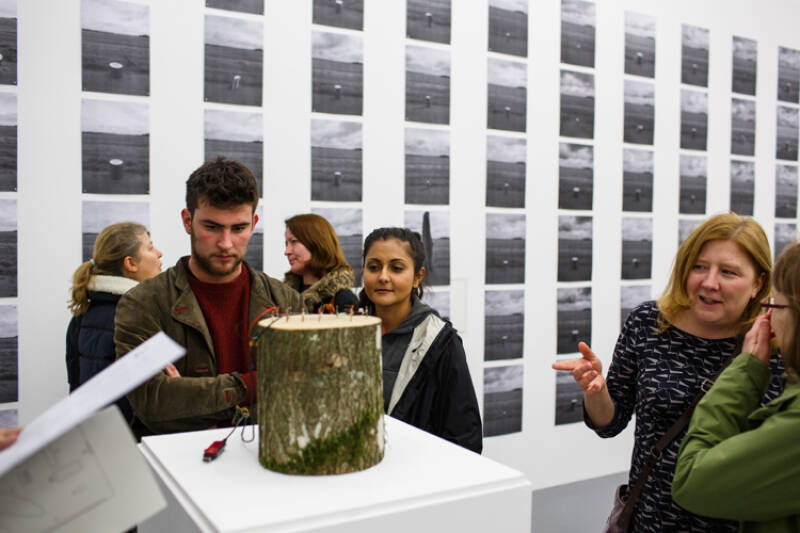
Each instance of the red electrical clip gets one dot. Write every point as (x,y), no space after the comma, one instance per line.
(213,451)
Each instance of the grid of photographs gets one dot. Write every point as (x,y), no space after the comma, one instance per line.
(744,65)
(786,165)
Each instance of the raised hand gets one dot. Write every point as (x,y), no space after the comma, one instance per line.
(172,371)
(587,370)
(756,341)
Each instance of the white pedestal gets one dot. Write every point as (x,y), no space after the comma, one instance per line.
(423,484)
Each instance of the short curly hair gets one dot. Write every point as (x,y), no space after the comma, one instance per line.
(222,183)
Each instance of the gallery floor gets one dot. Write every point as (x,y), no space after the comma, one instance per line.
(554,509)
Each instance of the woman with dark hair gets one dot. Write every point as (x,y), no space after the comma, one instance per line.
(123,256)
(317,267)
(426,381)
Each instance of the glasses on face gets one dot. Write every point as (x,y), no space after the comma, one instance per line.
(772,305)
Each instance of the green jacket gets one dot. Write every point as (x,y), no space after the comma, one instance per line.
(200,398)
(741,461)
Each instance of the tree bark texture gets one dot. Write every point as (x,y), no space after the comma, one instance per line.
(320,394)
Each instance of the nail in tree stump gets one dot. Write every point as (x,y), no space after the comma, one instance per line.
(320,394)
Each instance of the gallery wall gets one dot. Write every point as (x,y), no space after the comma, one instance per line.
(552,153)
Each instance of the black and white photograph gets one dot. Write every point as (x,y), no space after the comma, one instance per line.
(574,318)
(575,176)
(577,104)
(505,248)
(427,84)
(9,368)
(340,13)
(9,418)
(785,233)
(439,300)
(502,400)
(336,160)
(788,75)
(8,42)
(785,191)
(694,55)
(693,184)
(686,226)
(578,23)
(96,215)
(745,63)
(505,171)
(427,162)
(347,222)
(630,296)
(640,44)
(574,248)
(337,73)
(115,47)
(786,148)
(234,60)
(743,178)
(8,248)
(8,141)
(434,228)
(255,247)
(637,180)
(508,82)
(569,399)
(508,27)
(504,326)
(236,135)
(428,20)
(640,105)
(255,7)
(694,119)
(637,247)
(743,127)
(115,147)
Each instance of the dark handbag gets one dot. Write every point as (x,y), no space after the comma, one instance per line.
(617,523)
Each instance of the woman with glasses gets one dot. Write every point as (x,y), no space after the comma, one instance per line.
(740,460)
(668,348)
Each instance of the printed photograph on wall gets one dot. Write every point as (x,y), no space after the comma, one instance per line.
(574,317)
(786,145)
(785,233)
(693,184)
(637,180)
(640,44)
(428,20)
(238,136)
(575,176)
(427,162)
(505,248)
(574,248)
(785,191)
(686,226)
(243,6)
(434,228)
(348,226)
(569,399)
(9,418)
(694,119)
(439,300)
(505,171)
(577,104)
(502,400)
(640,105)
(508,82)
(115,147)
(743,177)
(234,60)
(8,141)
(503,332)
(578,24)
(8,248)
(427,84)
(336,160)
(694,55)
(631,296)
(743,126)
(255,247)
(115,47)
(343,14)
(637,247)
(8,42)
(788,75)
(9,368)
(745,63)
(96,215)
(337,73)
(508,27)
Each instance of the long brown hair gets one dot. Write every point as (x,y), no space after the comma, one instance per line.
(786,279)
(319,237)
(113,244)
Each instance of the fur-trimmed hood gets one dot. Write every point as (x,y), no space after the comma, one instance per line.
(111,284)
(323,290)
